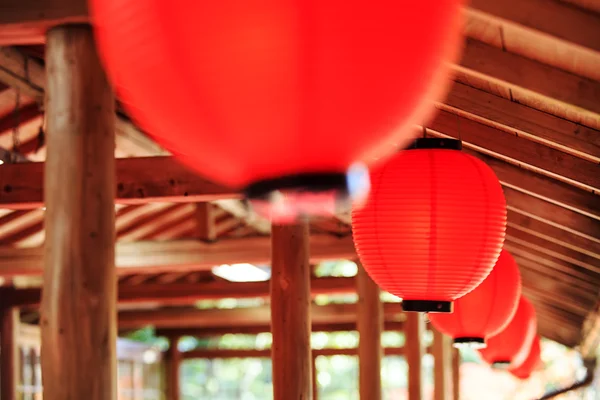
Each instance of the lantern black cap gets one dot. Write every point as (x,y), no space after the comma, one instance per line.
(310,182)
(433,306)
(501,364)
(435,143)
(473,342)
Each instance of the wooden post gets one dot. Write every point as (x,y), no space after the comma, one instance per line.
(290,313)
(369,325)
(415,327)
(173,362)
(456,374)
(442,356)
(9,353)
(78,308)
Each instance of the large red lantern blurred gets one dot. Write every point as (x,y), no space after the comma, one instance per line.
(433,225)
(278,95)
(486,310)
(511,346)
(532,361)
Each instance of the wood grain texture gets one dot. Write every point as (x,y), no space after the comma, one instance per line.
(414,330)
(9,356)
(369,324)
(291,312)
(442,368)
(181,255)
(188,293)
(172,366)
(79,299)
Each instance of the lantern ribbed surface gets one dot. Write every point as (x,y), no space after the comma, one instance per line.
(486,310)
(532,361)
(433,225)
(248,92)
(511,346)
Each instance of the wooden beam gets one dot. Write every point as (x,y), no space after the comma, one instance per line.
(414,330)
(550,86)
(172,367)
(239,317)
(518,150)
(210,354)
(27,74)
(290,312)
(9,356)
(79,301)
(216,331)
(188,293)
(182,255)
(139,180)
(554,18)
(26,22)
(524,121)
(370,326)
(442,373)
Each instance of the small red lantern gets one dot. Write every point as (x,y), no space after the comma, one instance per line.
(433,225)
(276,95)
(486,310)
(511,346)
(531,363)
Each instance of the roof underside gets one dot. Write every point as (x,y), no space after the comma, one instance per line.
(526,99)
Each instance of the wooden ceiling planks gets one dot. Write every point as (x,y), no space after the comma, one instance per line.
(526,102)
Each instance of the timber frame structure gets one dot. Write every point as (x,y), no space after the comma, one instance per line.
(526,100)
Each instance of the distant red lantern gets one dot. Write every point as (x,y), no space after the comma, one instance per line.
(532,361)
(278,95)
(511,346)
(433,225)
(486,310)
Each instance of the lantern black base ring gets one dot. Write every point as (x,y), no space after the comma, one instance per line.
(435,143)
(473,342)
(313,182)
(433,306)
(501,364)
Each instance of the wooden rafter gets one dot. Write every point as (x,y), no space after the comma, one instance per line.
(250,316)
(184,293)
(182,255)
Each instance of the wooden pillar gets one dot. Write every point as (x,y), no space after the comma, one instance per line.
(9,353)
(456,374)
(369,325)
(173,363)
(290,312)
(442,372)
(78,308)
(415,327)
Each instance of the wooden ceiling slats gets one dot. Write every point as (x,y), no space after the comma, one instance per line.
(571,221)
(554,18)
(526,101)
(553,233)
(535,243)
(519,149)
(512,117)
(533,82)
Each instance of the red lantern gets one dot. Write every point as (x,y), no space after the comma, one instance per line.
(532,361)
(511,346)
(486,310)
(433,225)
(278,95)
